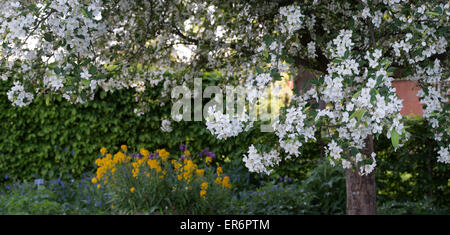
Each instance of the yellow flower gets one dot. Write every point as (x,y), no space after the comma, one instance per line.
(163,154)
(103,150)
(112,206)
(94,180)
(176,165)
(203,194)
(179,177)
(132,189)
(124,147)
(226,182)
(187,152)
(208,160)
(154,164)
(98,185)
(219,171)
(119,157)
(204,185)
(135,172)
(144,152)
(218,181)
(199,172)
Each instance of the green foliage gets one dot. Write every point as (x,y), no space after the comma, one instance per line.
(270,199)
(321,192)
(425,207)
(54,197)
(325,184)
(411,173)
(32,201)
(62,139)
(297,168)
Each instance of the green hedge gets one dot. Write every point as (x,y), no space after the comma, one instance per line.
(52,138)
(55,138)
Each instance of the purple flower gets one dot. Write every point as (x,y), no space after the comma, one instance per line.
(182,147)
(151,157)
(204,151)
(38,181)
(182,157)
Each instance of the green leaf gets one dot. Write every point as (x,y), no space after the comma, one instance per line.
(356,94)
(48,37)
(394,138)
(358,113)
(433,13)
(259,70)
(85,82)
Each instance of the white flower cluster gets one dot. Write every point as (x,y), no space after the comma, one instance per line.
(373,58)
(53,82)
(166,125)
(372,112)
(443,155)
(342,43)
(368,168)
(293,132)
(293,21)
(433,101)
(263,79)
(311,50)
(334,150)
(226,125)
(53,31)
(18,96)
(260,163)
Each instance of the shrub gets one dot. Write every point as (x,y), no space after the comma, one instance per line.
(161,183)
(270,199)
(29,200)
(325,185)
(321,192)
(411,173)
(411,208)
(53,197)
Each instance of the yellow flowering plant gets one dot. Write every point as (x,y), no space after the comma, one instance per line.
(158,182)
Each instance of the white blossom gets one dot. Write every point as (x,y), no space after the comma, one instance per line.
(166,125)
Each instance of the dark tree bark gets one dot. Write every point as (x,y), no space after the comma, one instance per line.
(361,190)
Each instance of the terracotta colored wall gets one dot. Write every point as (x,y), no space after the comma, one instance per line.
(407,91)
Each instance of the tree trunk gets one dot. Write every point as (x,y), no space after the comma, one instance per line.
(361,190)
